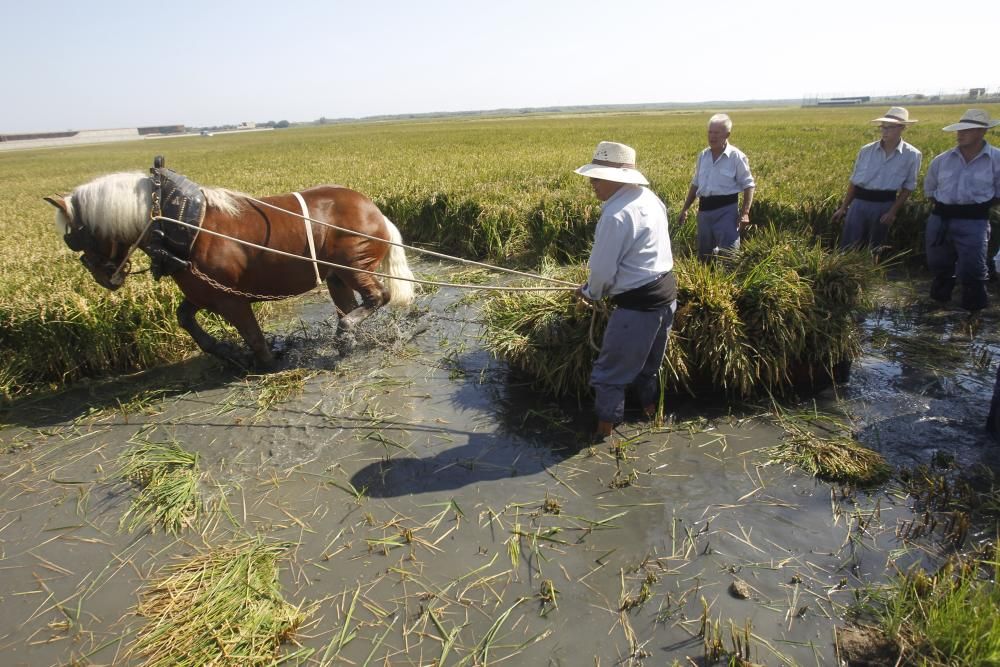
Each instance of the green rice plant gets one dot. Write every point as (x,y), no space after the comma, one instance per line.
(168,478)
(221,607)
(946,618)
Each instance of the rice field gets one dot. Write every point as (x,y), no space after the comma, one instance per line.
(499,189)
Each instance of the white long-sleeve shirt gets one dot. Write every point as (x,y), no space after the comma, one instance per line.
(631,243)
(874,170)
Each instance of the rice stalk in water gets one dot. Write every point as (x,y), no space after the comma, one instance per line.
(220,607)
(168,479)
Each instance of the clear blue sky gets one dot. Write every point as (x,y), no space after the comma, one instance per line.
(106,63)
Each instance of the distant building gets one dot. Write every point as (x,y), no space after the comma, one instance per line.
(844,101)
(976,93)
(246,126)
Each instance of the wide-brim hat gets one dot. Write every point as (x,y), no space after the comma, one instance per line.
(973,119)
(896,116)
(613,162)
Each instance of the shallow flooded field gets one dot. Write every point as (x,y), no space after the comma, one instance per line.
(438,511)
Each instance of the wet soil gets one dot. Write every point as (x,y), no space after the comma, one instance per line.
(437,507)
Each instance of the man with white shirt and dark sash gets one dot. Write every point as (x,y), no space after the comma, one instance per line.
(632,264)
(721,173)
(885,174)
(962,184)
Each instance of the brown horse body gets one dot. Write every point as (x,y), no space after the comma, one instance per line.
(225,276)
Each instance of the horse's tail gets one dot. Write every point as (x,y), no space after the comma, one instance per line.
(400,291)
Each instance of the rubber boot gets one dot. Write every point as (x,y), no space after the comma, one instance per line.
(941,287)
(602,432)
(974,296)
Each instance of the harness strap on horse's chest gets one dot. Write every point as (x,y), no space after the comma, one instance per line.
(309,236)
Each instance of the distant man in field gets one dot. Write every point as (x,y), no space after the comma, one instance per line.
(885,174)
(962,184)
(721,173)
(632,264)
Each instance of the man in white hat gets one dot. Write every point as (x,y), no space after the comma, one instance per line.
(631,263)
(962,184)
(721,173)
(885,174)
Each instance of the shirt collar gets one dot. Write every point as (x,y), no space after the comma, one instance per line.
(622,191)
(986,149)
(899,146)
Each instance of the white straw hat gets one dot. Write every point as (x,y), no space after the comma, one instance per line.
(613,162)
(896,116)
(973,119)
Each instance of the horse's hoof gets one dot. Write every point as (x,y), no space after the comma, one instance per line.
(346,341)
(265,365)
(229,354)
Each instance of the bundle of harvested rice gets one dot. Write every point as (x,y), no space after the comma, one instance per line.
(167,476)
(222,607)
(779,311)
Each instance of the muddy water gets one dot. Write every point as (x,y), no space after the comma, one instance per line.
(423,488)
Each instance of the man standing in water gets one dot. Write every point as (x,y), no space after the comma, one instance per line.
(720,174)
(885,174)
(962,184)
(632,263)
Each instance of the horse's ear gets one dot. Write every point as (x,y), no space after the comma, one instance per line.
(58,202)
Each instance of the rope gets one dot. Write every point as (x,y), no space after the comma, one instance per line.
(414,248)
(376,273)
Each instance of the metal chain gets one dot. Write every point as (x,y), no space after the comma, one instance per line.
(229,290)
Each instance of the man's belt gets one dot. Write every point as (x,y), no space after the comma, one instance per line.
(864,194)
(717,201)
(657,293)
(979,211)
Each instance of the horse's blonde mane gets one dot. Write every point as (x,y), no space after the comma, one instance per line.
(224,199)
(117,206)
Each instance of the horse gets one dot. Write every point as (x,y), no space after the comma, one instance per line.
(109,216)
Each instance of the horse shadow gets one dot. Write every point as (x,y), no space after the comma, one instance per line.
(90,397)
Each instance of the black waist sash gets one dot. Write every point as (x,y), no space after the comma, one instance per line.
(656,294)
(864,194)
(717,201)
(949,212)
(979,211)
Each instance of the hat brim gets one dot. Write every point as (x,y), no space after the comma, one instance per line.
(955,127)
(616,174)
(895,121)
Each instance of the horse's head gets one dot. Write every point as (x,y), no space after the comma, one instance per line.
(101,220)
(103,257)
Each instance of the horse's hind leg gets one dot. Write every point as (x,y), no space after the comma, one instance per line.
(373,295)
(342,295)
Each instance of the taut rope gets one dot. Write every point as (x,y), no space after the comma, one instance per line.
(415,249)
(568,286)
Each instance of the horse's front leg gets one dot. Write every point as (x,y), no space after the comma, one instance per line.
(239,313)
(209,344)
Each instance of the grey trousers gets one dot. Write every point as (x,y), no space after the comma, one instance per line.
(862,226)
(956,249)
(718,229)
(633,348)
